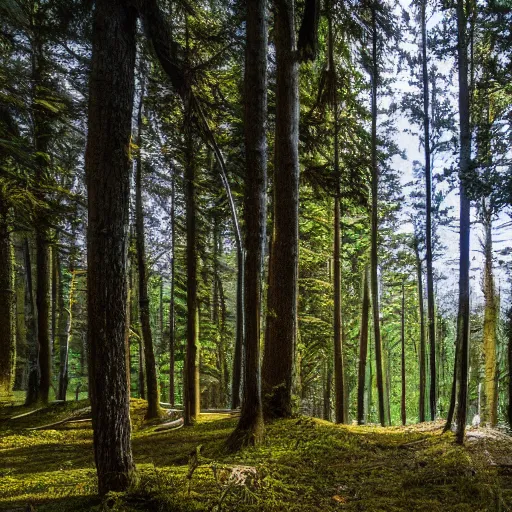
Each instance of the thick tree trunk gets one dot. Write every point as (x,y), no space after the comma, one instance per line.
(250,426)
(7,308)
(422,354)
(191,374)
(278,358)
(375,227)
(465,227)
(490,411)
(153,395)
(107,165)
(363,349)
(428,228)
(403,412)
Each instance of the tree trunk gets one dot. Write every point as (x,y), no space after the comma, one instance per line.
(402,339)
(145,323)
(250,426)
(490,412)
(142,369)
(62,328)
(191,374)
(509,360)
(375,227)
(32,341)
(7,307)
(363,348)
(428,229)
(172,321)
(42,137)
(278,358)
(107,165)
(465,227)
(339,377)
(238,355)
(422,358)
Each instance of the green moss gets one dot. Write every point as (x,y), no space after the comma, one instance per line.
(302,465)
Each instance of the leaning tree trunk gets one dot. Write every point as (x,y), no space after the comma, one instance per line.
(375,227)
(107,166)
(428,228)
(153,397)
(422,358)
(278,358)
(363,348)
(250,426)
(465,227)
(7,310)
(490,412)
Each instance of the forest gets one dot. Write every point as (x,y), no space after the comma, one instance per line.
(239,238)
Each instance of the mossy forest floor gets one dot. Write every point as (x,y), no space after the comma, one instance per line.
(303,465)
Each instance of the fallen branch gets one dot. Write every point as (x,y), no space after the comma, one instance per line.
(77,415)
(171,425)
(24,414)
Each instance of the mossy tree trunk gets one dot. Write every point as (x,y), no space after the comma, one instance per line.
(7,306)
(490,410)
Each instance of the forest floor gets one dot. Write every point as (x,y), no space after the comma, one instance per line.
(304,465)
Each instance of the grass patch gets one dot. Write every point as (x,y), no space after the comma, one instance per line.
(303,465)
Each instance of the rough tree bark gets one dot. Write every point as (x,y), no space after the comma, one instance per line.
(250,426)
(107,166)
(278,358)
